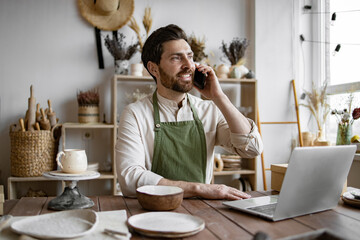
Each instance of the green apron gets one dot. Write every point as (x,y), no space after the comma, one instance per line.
(179,148)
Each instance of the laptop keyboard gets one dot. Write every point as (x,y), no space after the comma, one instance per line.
(268,209)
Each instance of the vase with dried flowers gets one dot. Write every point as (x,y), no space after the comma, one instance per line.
(88,102)
(235,54)
(319,108)
(345,119)
(147,24)
(121,53)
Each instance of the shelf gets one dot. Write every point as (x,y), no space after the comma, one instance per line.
(13,180)
(241,171)
(87,125)
(126,78)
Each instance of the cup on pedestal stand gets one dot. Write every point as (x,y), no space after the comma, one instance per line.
(73,164)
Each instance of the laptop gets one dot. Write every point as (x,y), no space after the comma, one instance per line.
(313,182)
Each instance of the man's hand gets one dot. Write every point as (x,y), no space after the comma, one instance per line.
(212,88)
(206,191)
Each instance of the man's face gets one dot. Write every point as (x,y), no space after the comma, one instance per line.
(176,66)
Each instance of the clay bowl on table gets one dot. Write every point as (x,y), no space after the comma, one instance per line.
(159,198)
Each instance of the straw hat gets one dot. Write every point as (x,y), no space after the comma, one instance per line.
(108,15)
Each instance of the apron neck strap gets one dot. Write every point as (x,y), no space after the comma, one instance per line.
(156,108)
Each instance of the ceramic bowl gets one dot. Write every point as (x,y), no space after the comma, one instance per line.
(160,198)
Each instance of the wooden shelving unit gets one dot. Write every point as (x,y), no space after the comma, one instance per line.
(247,99)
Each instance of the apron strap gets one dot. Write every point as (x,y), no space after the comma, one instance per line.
(156,112)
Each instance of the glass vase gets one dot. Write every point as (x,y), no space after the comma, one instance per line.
(344,134)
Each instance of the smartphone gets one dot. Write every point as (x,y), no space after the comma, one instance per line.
(199,79)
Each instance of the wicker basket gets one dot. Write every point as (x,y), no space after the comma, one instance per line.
(33,152)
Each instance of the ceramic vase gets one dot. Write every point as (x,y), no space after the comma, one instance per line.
(308,138)
(344,134)
(320,140)
(137,69)
(222,71)
(122,67)
(238,71)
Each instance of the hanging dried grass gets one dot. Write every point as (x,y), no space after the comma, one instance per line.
(147,20)
(147,23)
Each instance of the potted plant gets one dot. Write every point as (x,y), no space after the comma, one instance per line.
(345,119)
(320,109)
(198,46)
(121,53)
(235,54)
(88,102)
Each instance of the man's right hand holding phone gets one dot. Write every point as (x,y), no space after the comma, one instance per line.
(212,88)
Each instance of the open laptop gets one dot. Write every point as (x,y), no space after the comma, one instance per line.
(313,182)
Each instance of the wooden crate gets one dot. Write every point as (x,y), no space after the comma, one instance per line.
(277,175)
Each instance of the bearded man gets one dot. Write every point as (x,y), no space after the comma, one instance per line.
(168,138)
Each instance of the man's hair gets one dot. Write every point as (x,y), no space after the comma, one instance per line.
(153,47)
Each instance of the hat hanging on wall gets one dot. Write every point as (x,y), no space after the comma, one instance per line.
(108,15)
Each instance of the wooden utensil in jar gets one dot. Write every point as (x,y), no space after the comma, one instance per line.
(22,125)
(38,113)
(31,111)
(44,122)
(51,115)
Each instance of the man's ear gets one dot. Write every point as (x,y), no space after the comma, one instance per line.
(153,69)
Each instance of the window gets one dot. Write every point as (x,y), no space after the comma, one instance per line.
(341,69)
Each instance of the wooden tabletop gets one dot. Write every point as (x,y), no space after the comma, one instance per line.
(221,221)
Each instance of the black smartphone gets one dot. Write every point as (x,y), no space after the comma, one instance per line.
(199,79)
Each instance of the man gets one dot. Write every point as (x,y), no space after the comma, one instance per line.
(168,138)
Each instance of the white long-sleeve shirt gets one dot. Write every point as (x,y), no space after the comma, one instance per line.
(135,142)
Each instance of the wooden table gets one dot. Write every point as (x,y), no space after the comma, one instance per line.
(221,221)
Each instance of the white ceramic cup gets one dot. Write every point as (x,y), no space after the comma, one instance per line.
(72,160)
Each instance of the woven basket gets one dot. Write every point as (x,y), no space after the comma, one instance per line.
(33,152)
(88,114)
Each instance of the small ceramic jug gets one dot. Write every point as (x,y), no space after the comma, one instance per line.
(72,160)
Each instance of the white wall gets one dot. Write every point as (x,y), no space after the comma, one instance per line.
(46,43)
(280,58)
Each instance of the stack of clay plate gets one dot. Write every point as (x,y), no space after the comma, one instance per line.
(231,162)
(93,167)
(352,198)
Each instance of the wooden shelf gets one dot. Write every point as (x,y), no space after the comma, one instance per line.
(13,180)
(87,125)
(242,172)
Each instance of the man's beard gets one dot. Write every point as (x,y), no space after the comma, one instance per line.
(172,83)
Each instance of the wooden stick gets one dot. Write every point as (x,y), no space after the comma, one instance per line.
(297,113)
(22,125)
(262,154)
(37,126)
(31,111)
(38,113)
(51,115)
(44,123)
